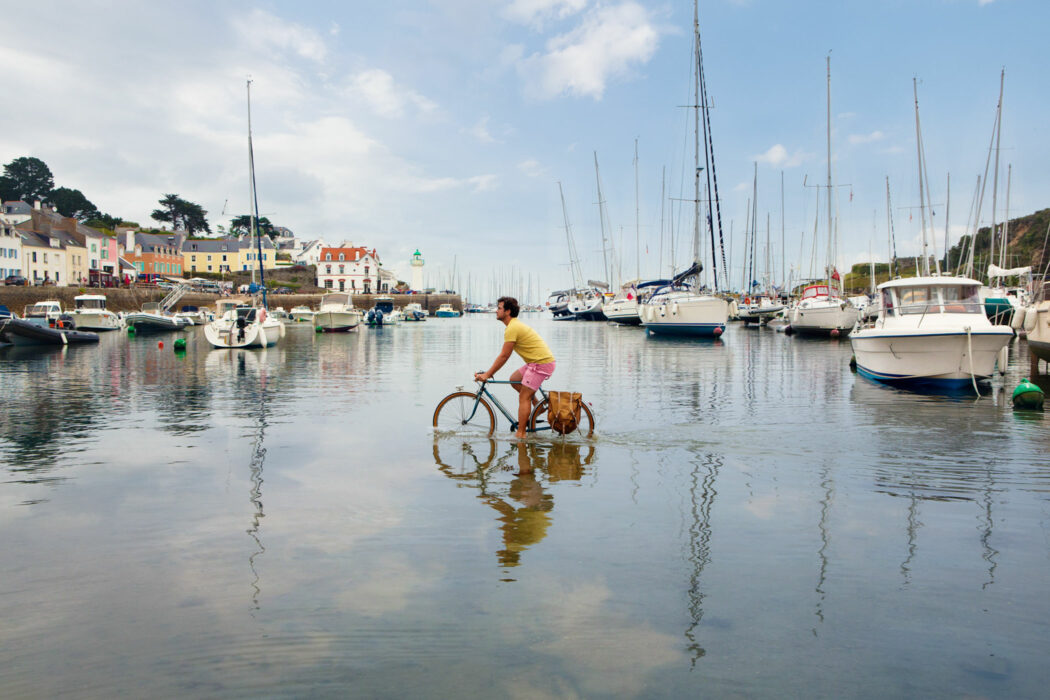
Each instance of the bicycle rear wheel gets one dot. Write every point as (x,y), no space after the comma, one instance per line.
(539,417)
(464,412)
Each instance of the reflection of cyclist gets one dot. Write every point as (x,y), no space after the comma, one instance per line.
(539,361)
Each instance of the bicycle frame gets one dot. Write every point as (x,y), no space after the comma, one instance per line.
(483,391)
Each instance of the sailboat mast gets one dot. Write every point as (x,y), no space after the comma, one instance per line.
(995,171)
(830,235)
(922,189)
(696,132)
(601,218)
(255,201)
(637,224)
(1006,219)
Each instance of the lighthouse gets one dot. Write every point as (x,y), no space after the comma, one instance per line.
(417,271)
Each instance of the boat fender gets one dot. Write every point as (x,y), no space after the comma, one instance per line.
(834,332)
(1017,320)
(718,331)
(853,363)
(1004,359)
(1030,318)
(788,330)
(674,309)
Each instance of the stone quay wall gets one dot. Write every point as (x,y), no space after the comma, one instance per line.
(132,299)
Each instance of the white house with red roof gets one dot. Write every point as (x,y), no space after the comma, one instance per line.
(349,268)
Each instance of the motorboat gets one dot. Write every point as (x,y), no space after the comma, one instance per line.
(446,311)
(586,305)
(931,331)
(241,325)
(43,312)
(192,315)
(153,319)
(17,331)
(301,314)
(91,314)
(383,313)
(558,305)
(680,308)
(822,311)
(414,312)
(759,309)
(336,313)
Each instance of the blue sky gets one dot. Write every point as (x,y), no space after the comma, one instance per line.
(446,126)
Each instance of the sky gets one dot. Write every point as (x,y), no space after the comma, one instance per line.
(448,126)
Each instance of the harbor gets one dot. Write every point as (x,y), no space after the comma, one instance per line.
(285,521)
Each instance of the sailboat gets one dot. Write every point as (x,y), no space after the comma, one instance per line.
(822,310)
(248,325)
(683,307)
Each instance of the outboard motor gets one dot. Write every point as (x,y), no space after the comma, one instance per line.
(379,317)
(241,324)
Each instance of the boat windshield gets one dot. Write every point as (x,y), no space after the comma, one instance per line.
(91,303)
(337,299)
(816,290)
(42,309)
(385,306)
(960,299)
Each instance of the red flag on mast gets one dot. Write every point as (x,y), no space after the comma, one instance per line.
(835,275)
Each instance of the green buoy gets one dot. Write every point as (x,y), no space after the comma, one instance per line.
(131,330)
(318,329)
(1028,396)
(180,344)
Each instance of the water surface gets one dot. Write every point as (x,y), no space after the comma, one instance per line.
(751,519)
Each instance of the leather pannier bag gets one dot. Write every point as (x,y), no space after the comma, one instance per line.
(564,411)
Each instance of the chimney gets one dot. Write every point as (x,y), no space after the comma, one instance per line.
(36,204)
(129,242)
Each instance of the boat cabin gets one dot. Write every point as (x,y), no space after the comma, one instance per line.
(337,299)
(90,301)
(43,309)
(819,290)
(930,295)
(385,304)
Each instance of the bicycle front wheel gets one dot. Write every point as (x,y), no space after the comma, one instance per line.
(539,418)
(464,412)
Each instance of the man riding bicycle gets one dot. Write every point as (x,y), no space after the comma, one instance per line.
(539,361)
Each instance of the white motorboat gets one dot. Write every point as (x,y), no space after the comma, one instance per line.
(931,331)
(759,309)
(243,326)
(383,313)
(43,313)
(91,314)
(336,313)
(153,319)
(301,314)
(414,312)
(624,308)
(1037,326)
(193,315)
(558,305)
(821,311)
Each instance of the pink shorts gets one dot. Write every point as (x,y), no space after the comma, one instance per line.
(533,375)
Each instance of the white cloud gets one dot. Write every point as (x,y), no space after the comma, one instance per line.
(866,138)
(531,168)
(386,98)
(264,31)
(982,3)
(537,11)
(778,157)
(608,43)
(480,131)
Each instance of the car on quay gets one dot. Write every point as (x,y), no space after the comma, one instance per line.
(15,281)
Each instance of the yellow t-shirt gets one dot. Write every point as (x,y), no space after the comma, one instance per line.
(527,343)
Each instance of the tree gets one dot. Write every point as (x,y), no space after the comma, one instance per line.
(73,203)
(243,225)
(104,221)
(26,178)
(182,214)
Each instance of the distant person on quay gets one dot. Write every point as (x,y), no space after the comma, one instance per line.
(539,361)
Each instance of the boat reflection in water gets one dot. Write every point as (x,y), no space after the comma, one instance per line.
(516,483)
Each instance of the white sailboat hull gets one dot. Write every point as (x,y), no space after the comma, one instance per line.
(690,315)
(622,311)
(224,333)
(823,317)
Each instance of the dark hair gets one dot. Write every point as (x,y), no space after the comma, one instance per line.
(509,304)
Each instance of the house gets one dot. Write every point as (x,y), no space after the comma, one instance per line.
(154,254)
(15,212)
(309,254)
(250,253)
(43,258)
(349,268)
(96,264)
(217,256)
(10,251)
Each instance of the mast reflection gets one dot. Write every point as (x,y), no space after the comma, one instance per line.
(702,498)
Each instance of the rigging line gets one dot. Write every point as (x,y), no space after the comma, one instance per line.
(712,175)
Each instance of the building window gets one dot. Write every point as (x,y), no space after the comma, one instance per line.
(328,284)
(328,269)
(193,258)
(45,258)
(353,284)
(366,269)
(342,257)
(342,285)
(340,269)
(327,256)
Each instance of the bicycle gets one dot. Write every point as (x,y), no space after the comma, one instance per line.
(469,410)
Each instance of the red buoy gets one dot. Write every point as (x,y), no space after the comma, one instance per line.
(718,331)
(160,344)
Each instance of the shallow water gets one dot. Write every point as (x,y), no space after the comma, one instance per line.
(751,519)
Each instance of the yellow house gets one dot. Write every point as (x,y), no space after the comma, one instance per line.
(76,258)
(43,259)
(225,255)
